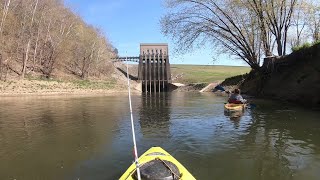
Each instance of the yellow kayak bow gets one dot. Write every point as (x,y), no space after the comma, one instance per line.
(156,163)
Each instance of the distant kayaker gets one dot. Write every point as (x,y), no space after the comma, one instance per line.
(236,98)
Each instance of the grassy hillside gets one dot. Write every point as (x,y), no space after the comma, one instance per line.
(204,73)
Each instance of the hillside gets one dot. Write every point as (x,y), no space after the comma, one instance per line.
(187,74)
(46,39)
(294,78)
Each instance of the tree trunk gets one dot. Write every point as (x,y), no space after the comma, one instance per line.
(4,15)
(279,46)
(25,60)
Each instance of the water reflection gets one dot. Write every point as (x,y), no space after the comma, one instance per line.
(90,138)
(44,138)
(234,114)
(155,115)
(235,117)
(278,147)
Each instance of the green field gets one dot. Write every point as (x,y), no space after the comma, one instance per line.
(204,73)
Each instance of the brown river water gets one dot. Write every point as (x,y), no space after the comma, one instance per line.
(73,137)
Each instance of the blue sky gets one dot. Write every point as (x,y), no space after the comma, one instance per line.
(127,23)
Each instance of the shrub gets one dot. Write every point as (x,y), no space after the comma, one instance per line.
(303,46)
(316,42)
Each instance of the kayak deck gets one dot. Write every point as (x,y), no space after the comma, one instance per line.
(158,154)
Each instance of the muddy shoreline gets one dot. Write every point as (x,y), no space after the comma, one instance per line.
(15,88)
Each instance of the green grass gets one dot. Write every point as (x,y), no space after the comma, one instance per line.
(305,46)
(205,73)
(86,84)
(40,78)
(79,84)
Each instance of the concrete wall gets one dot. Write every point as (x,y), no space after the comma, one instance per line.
(154,48)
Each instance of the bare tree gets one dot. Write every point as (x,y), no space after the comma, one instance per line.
(26,57)
(248,29)
(40,37)
(314,20)
(257,7)
(279,16)
(3,63)
(222,23)
(4,14)
(84,51)
(54,42)
(299,23)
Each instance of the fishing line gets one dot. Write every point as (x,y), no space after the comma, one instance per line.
(132,127)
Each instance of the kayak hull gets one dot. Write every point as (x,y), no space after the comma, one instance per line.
(159,154)
(234,107)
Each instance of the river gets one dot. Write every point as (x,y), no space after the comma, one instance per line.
(69,137)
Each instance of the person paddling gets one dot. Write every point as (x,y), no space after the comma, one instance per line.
(236,98)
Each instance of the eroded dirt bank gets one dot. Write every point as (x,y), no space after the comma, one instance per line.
(294,78)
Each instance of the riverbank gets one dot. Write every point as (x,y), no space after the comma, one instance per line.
(58,87)
(193,77)
(293,78)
